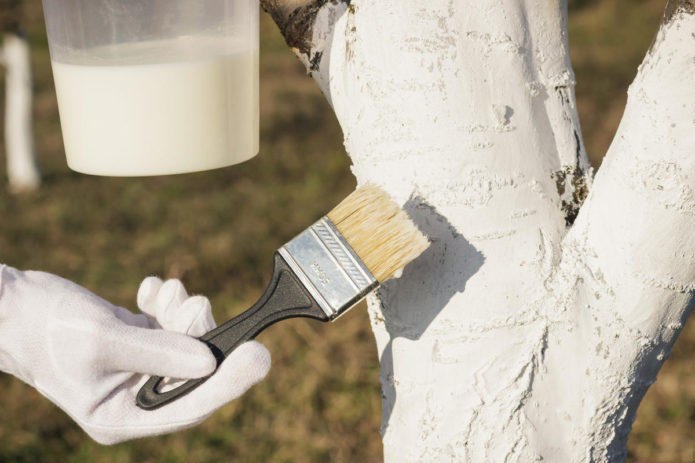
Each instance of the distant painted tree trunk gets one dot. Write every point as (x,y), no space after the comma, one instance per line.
(542,312)
(15,55)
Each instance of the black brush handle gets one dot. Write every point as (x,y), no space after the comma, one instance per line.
(285,297)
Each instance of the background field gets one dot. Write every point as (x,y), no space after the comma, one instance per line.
(217,230)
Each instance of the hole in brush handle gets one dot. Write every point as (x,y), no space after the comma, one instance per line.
(285,297)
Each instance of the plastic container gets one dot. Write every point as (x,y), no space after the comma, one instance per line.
(153,87)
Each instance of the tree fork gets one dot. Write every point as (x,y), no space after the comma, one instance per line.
(549,300)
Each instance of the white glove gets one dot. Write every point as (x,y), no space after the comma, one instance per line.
(90,357)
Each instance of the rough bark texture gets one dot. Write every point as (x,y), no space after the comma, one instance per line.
(676,7)
(296,19)
(512,339)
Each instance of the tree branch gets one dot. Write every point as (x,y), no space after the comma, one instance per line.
(631,251)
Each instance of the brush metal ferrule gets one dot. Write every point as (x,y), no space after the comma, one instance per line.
(329,268)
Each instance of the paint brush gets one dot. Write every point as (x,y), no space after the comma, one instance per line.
(319,274)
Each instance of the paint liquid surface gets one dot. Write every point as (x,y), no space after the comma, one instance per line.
(122,117)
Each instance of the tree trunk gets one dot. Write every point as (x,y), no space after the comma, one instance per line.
(522,334)
(22,171)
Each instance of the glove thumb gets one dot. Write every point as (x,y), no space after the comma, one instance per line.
(130,349)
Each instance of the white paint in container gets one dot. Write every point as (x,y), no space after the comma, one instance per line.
(129,116)
(152,87)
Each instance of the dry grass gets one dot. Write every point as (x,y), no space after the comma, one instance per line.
(217,231)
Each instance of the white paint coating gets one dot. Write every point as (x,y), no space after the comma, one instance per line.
(511,339)
(19,142)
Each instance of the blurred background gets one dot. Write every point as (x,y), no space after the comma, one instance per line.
(217,230)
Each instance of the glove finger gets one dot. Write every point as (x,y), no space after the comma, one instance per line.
(170,297)
(147,295)
(155,352)
(193,317)
(247,365)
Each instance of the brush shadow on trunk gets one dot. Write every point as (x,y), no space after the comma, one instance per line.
(408,303)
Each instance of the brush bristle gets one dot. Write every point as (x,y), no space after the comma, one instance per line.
(379,231)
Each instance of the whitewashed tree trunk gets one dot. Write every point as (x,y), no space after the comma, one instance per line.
(522,334)
(22,171)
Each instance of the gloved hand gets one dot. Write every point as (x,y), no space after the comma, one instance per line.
(90,357)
